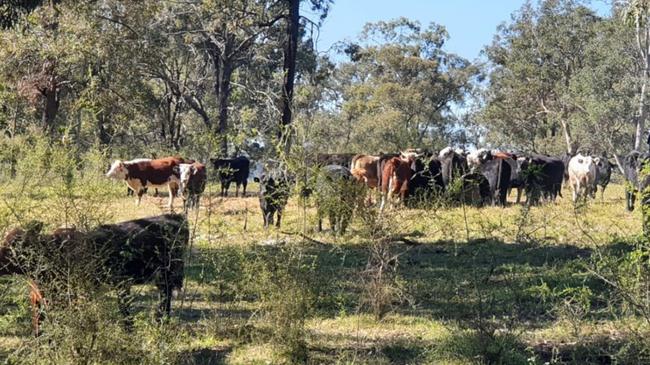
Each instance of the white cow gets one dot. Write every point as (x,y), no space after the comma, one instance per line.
(582,176)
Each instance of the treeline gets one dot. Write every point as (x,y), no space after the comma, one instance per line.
(215,78)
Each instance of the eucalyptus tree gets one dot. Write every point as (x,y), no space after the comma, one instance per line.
(532,63)
(400,85)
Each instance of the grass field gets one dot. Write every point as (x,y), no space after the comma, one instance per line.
(490,285)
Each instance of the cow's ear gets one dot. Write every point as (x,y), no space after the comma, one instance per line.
(193,170)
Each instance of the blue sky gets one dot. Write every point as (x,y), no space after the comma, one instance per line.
(470,23)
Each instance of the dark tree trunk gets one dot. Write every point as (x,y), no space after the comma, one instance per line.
(50,108)
(289,68)
(222,89)
(104,137)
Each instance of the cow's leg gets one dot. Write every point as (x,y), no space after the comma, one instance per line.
(277,223)
(173,189)
(236,189)
(319,214)
(244,188)
(602,193)
(124,304)
(265,217)
(140,194)
(165,296)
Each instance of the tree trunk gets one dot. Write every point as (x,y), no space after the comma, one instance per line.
(642,112)
(222,89)
(289,68)
(50,108)
(570,146)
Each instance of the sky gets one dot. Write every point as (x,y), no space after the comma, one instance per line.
(471,24)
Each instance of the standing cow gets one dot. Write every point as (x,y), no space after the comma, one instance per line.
(275,188)
(232,170)
(582,176)
(395,176)
(542,176)
(192,179)
(634,164)
(144,174)
(124,254)
(603,174)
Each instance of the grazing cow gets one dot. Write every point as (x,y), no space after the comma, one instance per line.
(426,181)
(275,188)
(603,174)
(396,174)
(123,254)
(192,178)
(142,174)
(582,176)
(232,170)
(342,159)
(542,177)
(337,194)
(633,165)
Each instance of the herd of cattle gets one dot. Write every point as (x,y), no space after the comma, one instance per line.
(153,249)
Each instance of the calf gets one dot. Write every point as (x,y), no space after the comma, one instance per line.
(582,176)
(192,178)
(232,170)
(123,254)
(143,174)
(275,188)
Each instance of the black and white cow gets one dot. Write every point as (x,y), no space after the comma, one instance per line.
(275,188)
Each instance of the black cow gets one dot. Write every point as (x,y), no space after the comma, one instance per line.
(453,165)
(232,170)
(337,195)
(498,174)
(426,181)
(542,176)
(633,165)
(275,188)
(133,252)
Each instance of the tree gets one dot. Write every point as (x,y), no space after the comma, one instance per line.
(637,13)
(532,64)
(399,87)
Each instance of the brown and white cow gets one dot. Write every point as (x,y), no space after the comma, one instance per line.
(143,174)
(192,183)
(396,174)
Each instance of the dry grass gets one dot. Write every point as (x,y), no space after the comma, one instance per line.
(441,245)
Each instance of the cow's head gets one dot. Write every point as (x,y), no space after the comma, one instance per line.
(409,156)
(446,153)
(117,171)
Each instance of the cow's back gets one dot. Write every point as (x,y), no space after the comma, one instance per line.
(155,172)
(138,250)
